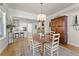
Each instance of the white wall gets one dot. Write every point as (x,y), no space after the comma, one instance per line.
(73,35)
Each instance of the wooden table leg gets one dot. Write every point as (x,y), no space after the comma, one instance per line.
(42,49)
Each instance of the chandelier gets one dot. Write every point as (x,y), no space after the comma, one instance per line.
(41,16)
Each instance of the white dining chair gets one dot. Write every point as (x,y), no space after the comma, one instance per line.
(34,46)
(52,48)
(51,32)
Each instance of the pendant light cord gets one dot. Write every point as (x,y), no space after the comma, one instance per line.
(41,7)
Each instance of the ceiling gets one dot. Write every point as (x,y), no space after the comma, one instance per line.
(48,8)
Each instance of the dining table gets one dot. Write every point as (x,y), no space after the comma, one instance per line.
(42,40)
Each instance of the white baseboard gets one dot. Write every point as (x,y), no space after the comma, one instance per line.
(1,50)
(73,44)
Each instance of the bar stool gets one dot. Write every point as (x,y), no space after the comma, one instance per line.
(16,35)
(21,34)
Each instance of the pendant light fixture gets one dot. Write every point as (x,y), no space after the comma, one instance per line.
(41,16)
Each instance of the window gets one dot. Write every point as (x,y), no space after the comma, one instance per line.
(2,25)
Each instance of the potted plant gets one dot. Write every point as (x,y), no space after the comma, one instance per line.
(10,27)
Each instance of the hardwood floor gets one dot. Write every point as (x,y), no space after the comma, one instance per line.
(18,48)
(71,47)
(21,48)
